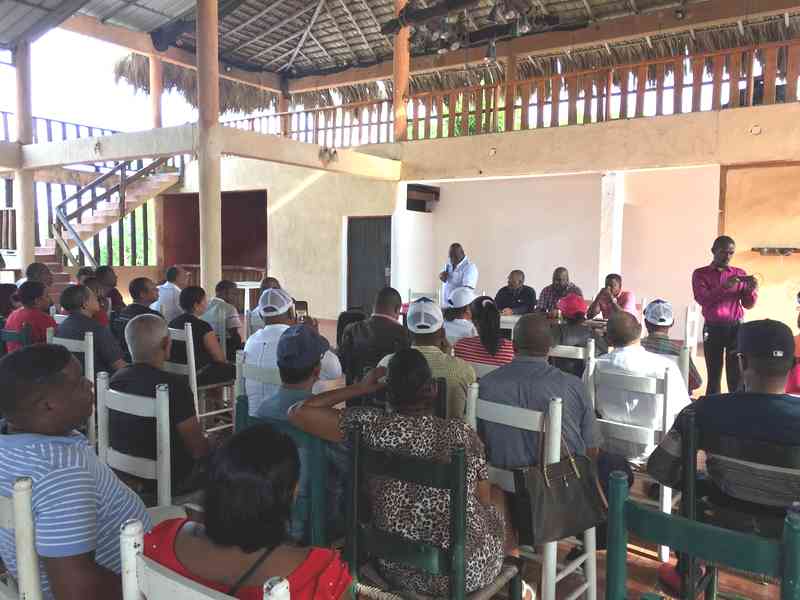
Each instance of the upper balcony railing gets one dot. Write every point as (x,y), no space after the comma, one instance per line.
(710,81)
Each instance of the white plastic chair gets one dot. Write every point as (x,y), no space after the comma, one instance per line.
(141,406)
(652,386)
(189,370)
(412,295)
(16,515)
(143,578)
(586,354)
(85,347)
(59,319)
(691,335)
(482,369)
(245,371)
(508,322)
(530,420)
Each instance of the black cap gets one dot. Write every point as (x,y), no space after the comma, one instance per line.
(766,339)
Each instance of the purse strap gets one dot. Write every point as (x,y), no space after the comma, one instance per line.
(564,450)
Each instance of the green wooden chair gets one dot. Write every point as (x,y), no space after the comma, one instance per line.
(762,523)
(23,336)
(778,559)
(312,509)
(365,543)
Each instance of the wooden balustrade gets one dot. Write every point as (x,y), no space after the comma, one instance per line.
(8,229)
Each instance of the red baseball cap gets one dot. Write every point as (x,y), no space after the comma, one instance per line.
(572,305)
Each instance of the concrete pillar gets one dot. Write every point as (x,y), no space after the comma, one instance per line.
(400,66)
(209,154)
(611,221)
(24,191)
(156,89)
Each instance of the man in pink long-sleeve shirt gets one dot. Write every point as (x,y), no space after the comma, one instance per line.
(724,292)
(612,299)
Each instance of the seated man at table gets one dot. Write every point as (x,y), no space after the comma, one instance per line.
(366,342)
(611,299)
(573,331)
(149,342)
(516,298)
(276,308)
(632,408)
(551,294)
(658,319)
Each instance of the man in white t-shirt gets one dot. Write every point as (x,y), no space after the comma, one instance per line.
(458,316)
(169,293)
(458,272)
(644,410)
(276,308)
(223,316)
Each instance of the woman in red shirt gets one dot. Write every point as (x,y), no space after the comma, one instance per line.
(251,484)
(489,347)
(35,304)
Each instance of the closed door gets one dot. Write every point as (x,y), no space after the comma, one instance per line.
(369,259)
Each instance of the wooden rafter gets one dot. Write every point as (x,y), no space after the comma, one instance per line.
(589,10)
(542,6)
(51,19)
(354,22)
(278,25)
(320,46)
(341,35)
(128,3)
(277,44)
(377,24)
(256,17)
(303,39)
(633,6)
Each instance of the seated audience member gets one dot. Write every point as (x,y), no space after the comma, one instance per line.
(458,315)
(561,286)
(223,316)
(269,283)
(426,323)
(208,357)
(143,293)
(516,298)
(168,303)
(242,542)
(658,319)
(574,332)
(761,413)
(33,312)
(366,342)
(793,381)
(102,316)
(38,272)
(644,410)
(299,356)
(108,279)
(78,502)
(8,303)
(488,347)
(415,512)
(149,342)
(611,299)
(83,274)
(81,305)
(276,308)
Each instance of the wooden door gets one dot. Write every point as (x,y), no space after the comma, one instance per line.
(369,259)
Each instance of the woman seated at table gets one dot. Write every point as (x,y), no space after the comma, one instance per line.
(252,481)
(208,356)
(417,513)
(489,347)
(35,304)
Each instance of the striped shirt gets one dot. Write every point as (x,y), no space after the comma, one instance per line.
(472,350)
(78,503)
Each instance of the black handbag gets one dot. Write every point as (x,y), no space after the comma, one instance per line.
(557,501)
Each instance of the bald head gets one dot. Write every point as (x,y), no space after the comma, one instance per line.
(532,336)
(623,329)
(147,337)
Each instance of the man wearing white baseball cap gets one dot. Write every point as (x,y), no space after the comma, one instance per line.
(658,319)
(458,317)
(276,308)
(426,324)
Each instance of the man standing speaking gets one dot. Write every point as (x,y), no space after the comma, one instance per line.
(458,272)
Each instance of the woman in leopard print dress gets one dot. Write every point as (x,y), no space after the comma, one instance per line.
(416,512)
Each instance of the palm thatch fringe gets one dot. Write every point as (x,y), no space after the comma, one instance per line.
(237,97)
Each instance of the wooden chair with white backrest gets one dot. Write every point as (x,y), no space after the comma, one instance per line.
(245,371)
(85,347)
(158,470)
(586,354)
(530,420)
(692,329)
(145,579)
(620,383)
(189,369)
(16,515)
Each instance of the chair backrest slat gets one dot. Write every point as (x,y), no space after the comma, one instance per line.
(629,383)
(189,369)
(571,352)
(482,369)
(511,416)
(16,515)
(751,451)
(628,433)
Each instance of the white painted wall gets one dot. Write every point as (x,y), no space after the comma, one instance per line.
(414,264)
(533,224)
(670,221)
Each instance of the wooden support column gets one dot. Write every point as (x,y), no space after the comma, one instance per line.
(156,89)
(23,190)
(283,109)
(401,64)
(209,154)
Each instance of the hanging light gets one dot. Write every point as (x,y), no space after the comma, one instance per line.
(523,25)
(491,52)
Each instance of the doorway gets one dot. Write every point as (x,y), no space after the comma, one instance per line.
(369,259)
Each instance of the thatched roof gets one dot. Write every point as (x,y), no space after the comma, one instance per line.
(246,99)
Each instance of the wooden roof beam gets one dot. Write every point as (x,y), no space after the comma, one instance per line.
(277,44)
(278,25)
(255,17)
(140,43)
(703,14)
(341,35)
(303,39)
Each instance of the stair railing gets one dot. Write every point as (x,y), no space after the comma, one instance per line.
(63,218)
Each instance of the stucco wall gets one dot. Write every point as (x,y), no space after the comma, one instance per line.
(306,210)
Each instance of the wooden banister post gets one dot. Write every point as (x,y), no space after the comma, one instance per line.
(23,188)
(401,63)
(511,90)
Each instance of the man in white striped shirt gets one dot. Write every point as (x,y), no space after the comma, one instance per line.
(78,502)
